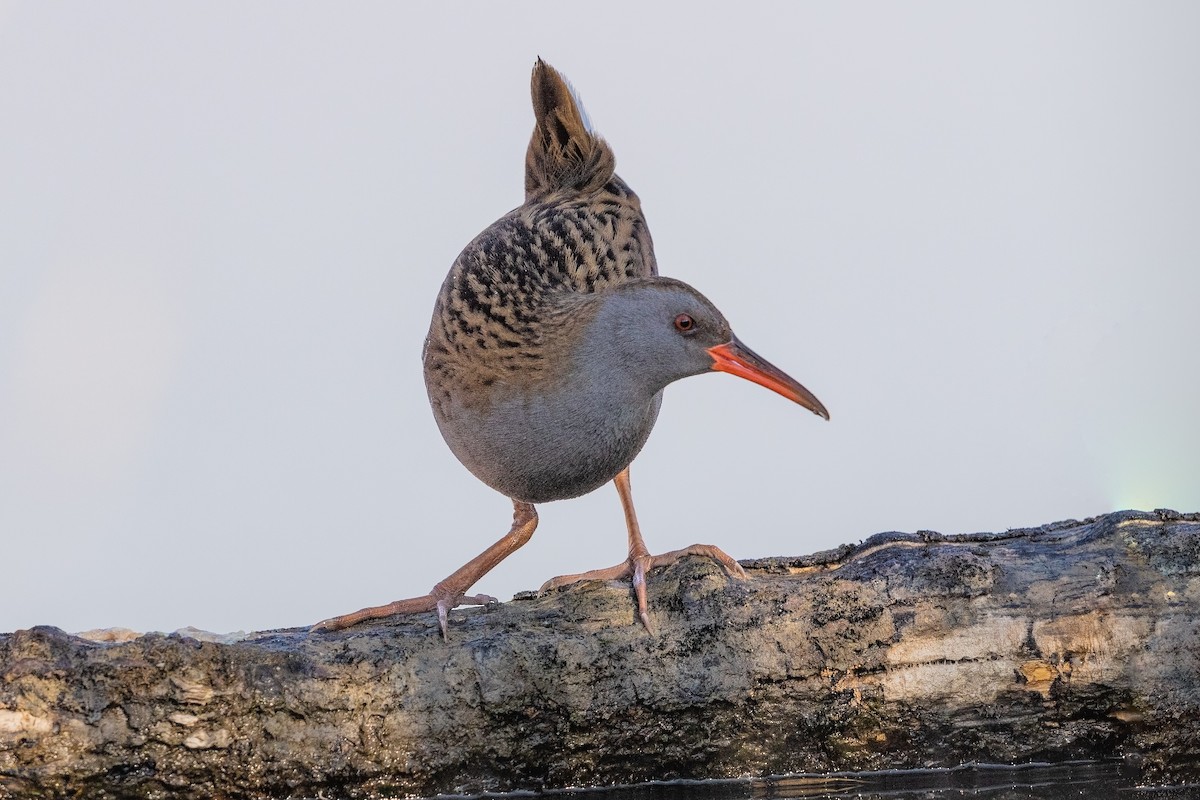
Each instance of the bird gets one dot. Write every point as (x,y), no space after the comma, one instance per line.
(552,339)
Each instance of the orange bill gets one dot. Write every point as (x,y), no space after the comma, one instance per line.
(737,359)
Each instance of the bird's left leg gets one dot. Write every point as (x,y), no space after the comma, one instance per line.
(452,591)
(640,562)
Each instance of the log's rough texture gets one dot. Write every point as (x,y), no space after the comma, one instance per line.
(1073,640)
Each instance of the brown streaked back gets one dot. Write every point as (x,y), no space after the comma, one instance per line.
(499,317)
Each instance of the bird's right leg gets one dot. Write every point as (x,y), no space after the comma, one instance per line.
(451,592)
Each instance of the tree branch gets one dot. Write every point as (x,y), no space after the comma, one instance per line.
(1073,640)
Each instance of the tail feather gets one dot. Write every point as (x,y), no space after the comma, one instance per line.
(564,154)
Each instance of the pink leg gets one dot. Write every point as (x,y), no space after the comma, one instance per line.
(451,592)
(640,561)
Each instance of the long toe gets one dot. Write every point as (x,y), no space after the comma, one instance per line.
(438,600)
(732,568)
(413,605)
(618,572)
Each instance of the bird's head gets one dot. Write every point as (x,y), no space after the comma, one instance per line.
(655,331)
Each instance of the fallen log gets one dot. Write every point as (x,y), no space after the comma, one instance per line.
(1076,640)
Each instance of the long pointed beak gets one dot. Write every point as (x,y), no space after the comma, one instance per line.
(737,359)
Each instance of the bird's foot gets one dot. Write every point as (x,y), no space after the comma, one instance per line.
(639,565)
(439,599)
(452,591)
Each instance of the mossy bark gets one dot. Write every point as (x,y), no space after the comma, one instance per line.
(1073,640)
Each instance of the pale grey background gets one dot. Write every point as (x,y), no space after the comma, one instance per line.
(972,230)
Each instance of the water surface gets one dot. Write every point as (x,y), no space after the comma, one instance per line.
(1064,781)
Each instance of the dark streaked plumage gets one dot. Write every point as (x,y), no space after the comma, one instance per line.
(552,340)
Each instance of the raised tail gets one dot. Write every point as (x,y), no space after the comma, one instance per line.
(564,153)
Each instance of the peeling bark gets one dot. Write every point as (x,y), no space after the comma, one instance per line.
(1073,640)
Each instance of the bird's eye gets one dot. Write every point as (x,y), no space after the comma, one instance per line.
(684,323)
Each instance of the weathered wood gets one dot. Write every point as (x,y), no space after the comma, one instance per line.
(1074,640)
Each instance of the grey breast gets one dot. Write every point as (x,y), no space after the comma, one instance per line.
(550,444)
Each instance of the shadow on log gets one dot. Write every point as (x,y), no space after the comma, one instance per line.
(1073,640)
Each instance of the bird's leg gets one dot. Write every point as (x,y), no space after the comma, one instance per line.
(450,592)
(640,562)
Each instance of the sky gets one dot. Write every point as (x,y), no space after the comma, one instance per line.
(972,230)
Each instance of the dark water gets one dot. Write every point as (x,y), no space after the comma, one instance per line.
(1090,780)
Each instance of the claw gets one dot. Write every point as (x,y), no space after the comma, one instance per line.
(443,609)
